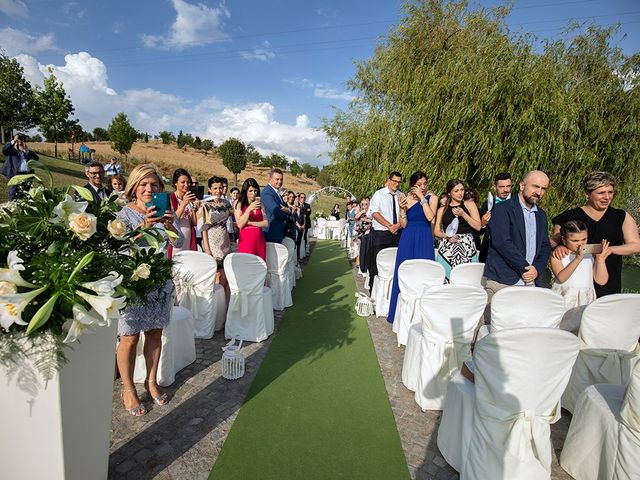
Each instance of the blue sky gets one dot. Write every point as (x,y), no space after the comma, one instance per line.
(264,71)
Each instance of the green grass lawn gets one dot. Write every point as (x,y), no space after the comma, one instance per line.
(63,172)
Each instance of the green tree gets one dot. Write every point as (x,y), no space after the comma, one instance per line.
(16,97)
(234,156)
(295,168)
(121,134)
(326,176)
(197,143)
(53,108)
(180,139)
(253,155)
(207,145)
(310,171)
(166,137)
(452,91)
(100,134)
(146,137)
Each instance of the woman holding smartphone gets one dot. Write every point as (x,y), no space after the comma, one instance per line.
(213,216)
(185,204)
(151,314)
(251,219)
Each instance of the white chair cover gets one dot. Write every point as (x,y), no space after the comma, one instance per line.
(320,230)
(196,290)
(278,275)
(303,247)
(414,276)
(291,262)
(250,313)
(178,349)
(467,274)
(381,290)
(519,377)
(521,307)
(603,442)
(449,316)
(609,347)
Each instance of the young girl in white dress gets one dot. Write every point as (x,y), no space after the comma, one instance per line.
(575,273)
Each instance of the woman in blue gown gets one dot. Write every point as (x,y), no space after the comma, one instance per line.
(416,214)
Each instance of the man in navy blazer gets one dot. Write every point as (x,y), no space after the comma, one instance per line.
(274,206)
(519,249)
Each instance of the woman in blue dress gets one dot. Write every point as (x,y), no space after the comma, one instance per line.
(416,214)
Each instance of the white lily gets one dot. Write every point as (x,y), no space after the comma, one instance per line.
(7,288)
(12,305)
(12,273)
(66,207)
(80,323)
(106,285)
(107,307)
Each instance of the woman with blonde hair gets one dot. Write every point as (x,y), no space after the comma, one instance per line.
(603,222)
(151,314)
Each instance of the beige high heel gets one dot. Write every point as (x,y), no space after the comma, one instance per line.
(162,399)
(136,411)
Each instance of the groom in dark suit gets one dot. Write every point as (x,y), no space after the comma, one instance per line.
(274,206)
(519,248)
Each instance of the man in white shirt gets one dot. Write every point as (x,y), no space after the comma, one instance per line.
(384,210)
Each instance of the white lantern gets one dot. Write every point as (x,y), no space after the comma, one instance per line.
(233,360)
(364,305)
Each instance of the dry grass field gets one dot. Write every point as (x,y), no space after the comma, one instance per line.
(170,157)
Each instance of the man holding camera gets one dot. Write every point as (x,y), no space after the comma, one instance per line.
(16,155)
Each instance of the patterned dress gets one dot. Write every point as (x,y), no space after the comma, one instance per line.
(142,315)
(212,222)
(464,250)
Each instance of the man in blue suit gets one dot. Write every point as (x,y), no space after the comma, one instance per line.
(277,211)
(519,249)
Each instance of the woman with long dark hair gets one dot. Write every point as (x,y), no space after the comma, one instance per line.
(251,219)
(459,247)
(417,211)
(185,204)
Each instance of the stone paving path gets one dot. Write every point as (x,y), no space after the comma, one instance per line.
(181,440)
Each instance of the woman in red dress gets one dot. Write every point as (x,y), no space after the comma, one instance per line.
(251,219)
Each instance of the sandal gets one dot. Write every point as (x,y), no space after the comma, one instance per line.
(162,399)
(137,411)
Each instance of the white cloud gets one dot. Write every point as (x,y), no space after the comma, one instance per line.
(14,42)
(261,53)
(195,25)
(117,27)
(321,90)
(332,94)
(14,8)
(85,80)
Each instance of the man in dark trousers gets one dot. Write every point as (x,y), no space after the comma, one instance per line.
(502,192)
(16,155)
(384,210)
(306,209)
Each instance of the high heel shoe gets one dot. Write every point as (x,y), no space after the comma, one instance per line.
(162,399)
(137,411)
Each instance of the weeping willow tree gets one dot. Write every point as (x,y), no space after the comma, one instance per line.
(453,92)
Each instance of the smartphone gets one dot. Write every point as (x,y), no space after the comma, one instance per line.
(198,191)
(159,200)
(593,248)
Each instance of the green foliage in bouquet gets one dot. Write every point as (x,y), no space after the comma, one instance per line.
(68,266)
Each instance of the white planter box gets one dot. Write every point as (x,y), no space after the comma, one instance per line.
(61,431)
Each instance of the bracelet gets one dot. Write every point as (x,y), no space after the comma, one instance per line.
(403,216)
(423,201)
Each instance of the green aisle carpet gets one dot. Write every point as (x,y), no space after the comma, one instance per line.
(318,408)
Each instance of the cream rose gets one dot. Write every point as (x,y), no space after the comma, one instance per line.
(83,224)
(142,271)
(117,228)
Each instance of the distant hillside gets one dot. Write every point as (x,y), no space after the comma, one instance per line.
(169,157)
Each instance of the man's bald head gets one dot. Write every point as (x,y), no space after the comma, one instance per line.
(533,187)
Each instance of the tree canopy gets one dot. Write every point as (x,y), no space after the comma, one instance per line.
(234,156)
(16,96)
(53,108)
(451,91)
(121,134)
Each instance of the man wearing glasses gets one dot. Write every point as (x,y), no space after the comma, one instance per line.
(95,174)
(384,210)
